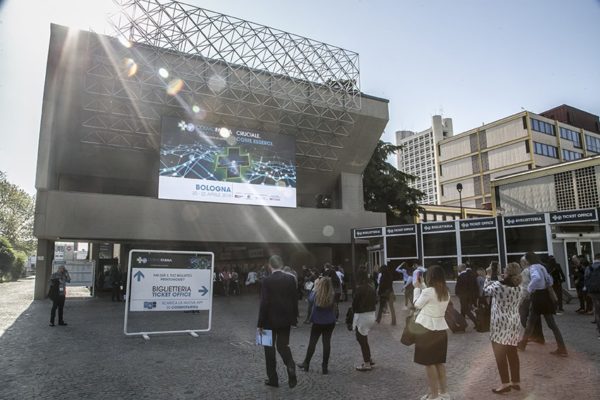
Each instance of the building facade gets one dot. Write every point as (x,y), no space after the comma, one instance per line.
(109,105)
(520,142)
(418,157)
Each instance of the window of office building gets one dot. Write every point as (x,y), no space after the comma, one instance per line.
(571,136)
(587,189)
(569,155)
(592,144)
(543,127)
(545,150)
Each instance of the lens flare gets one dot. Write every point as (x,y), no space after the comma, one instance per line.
(174,86)
(224,132)
(163,73)
(126,43)
(131,67)
(217,83)
(199,111)
(328,230)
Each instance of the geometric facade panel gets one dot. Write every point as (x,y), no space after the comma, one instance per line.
(219,68)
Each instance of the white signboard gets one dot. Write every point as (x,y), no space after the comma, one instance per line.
(170,289)
(81,272)
(160,280)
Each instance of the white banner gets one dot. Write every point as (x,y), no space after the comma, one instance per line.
(170,289)
(225,192)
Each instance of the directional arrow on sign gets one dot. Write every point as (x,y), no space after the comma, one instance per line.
(138,275)
(204,290)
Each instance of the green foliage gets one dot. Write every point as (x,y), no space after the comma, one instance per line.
(17,209)
(7,258)
(387,190)
(18,268)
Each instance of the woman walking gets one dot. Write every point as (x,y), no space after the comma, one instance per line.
(363,304)
(323,322)
(431,347)
(505,326)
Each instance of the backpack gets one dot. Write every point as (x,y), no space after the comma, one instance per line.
(592,283)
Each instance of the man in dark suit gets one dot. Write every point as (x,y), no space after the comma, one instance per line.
(278,312)
(467,291)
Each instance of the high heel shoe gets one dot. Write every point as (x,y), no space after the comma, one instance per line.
(502,390)
(303,367)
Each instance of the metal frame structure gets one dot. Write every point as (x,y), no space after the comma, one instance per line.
(229,68)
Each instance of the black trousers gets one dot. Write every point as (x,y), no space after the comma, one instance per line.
(116,291)
(363,341)
(388,299)
(466,308)
(59,303)
(315,332)
(559,295)
(281,341)
(507,356)
(524,309)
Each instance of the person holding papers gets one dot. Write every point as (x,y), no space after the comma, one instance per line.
(278,312)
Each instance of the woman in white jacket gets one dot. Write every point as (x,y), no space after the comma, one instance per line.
(431,347)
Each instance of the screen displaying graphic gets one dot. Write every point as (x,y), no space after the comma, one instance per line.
(221,164)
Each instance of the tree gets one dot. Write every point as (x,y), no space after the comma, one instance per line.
(7,257)
(17,209)
(387,190)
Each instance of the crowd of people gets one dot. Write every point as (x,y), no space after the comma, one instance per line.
(517,297)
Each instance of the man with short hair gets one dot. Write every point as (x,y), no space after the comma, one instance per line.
(58,294)
(467,291)
(278,312)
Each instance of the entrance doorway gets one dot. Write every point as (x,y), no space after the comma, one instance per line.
(579,247)
(375,257)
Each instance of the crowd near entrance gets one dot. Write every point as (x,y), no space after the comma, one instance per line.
(479,241)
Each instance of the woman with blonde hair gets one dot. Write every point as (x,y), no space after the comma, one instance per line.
(505,325)
(323,319)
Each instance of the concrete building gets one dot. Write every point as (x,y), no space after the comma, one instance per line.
(570,191)
(520,142)
(100,143)
(567,186)
(418,156)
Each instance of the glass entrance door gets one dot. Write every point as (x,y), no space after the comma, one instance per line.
(582,248)
(375,260)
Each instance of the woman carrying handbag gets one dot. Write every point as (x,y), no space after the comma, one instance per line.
(431,346)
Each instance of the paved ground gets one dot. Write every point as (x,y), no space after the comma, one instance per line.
(92,359)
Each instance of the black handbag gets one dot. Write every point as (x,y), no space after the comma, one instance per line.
(349,318)
(411,330)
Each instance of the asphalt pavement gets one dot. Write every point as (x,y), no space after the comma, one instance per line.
(91,358)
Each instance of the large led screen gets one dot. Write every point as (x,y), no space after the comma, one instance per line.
(221,164)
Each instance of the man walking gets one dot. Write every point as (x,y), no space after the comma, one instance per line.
(278,312)
(467,291)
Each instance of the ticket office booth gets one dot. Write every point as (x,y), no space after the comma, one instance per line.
(479,241)
(524,233)
(440,247)
(401,244)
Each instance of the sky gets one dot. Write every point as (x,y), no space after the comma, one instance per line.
(474,61)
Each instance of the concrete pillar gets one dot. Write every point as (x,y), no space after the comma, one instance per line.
(352,192)
(43,268)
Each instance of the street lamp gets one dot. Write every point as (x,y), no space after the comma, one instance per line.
(459,188)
